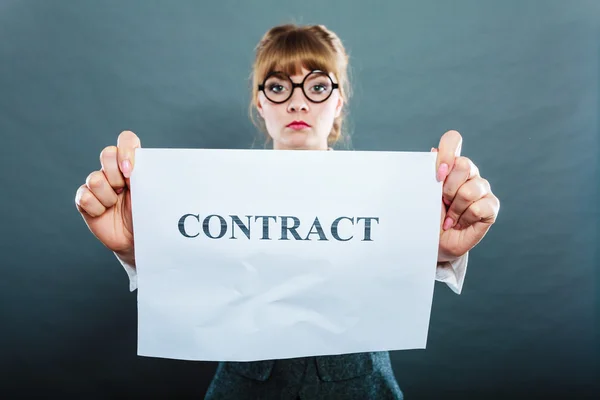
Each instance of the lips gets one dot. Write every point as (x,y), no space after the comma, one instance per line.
(298,125)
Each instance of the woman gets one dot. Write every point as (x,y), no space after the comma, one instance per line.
(299,92)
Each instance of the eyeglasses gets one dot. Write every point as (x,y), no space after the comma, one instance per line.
(317,86)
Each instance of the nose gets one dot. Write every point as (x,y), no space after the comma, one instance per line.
(297,102)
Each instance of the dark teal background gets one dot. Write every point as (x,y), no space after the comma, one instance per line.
(518,79)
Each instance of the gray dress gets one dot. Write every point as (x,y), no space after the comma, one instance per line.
(357,376)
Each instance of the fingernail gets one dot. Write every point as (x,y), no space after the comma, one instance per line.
(126,168)
(448,223)
(119,190)
(441,175)
(446,201)
(457,227)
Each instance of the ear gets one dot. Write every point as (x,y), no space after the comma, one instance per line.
(339,106)
(259,106)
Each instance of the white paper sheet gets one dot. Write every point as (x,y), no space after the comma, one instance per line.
(234,298)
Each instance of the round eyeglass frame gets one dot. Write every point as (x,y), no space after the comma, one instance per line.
(300,85)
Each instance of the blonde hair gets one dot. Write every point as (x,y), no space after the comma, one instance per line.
(290,47)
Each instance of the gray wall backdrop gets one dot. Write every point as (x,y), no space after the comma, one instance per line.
(518,79)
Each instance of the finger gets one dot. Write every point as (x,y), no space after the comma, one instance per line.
(87,203)
(450,148)
(126,145)
(483,210)
(446,202)
(97,183)
(463,170)
(110,167)
(467,194)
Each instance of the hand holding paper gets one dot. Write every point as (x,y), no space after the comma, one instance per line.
(104,201)
(469,207)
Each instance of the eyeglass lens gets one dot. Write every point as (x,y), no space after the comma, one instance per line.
(317,87)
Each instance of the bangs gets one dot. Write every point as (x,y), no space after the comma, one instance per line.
(293,50)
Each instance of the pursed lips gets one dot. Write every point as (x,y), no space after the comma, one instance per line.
(298,125)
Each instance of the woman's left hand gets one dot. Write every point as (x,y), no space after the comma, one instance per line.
(469,208)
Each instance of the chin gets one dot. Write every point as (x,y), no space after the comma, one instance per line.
(299,141)
(305,139)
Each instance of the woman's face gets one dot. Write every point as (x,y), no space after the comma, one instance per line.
(318,117)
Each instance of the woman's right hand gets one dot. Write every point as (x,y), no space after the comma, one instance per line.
(104,201)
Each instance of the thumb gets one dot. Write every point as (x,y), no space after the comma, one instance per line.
(126,145)
(446,206)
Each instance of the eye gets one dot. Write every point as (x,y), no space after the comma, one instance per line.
(276,88)
(319,88)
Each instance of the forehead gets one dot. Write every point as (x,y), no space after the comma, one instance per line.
(300,73)
(298,67)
